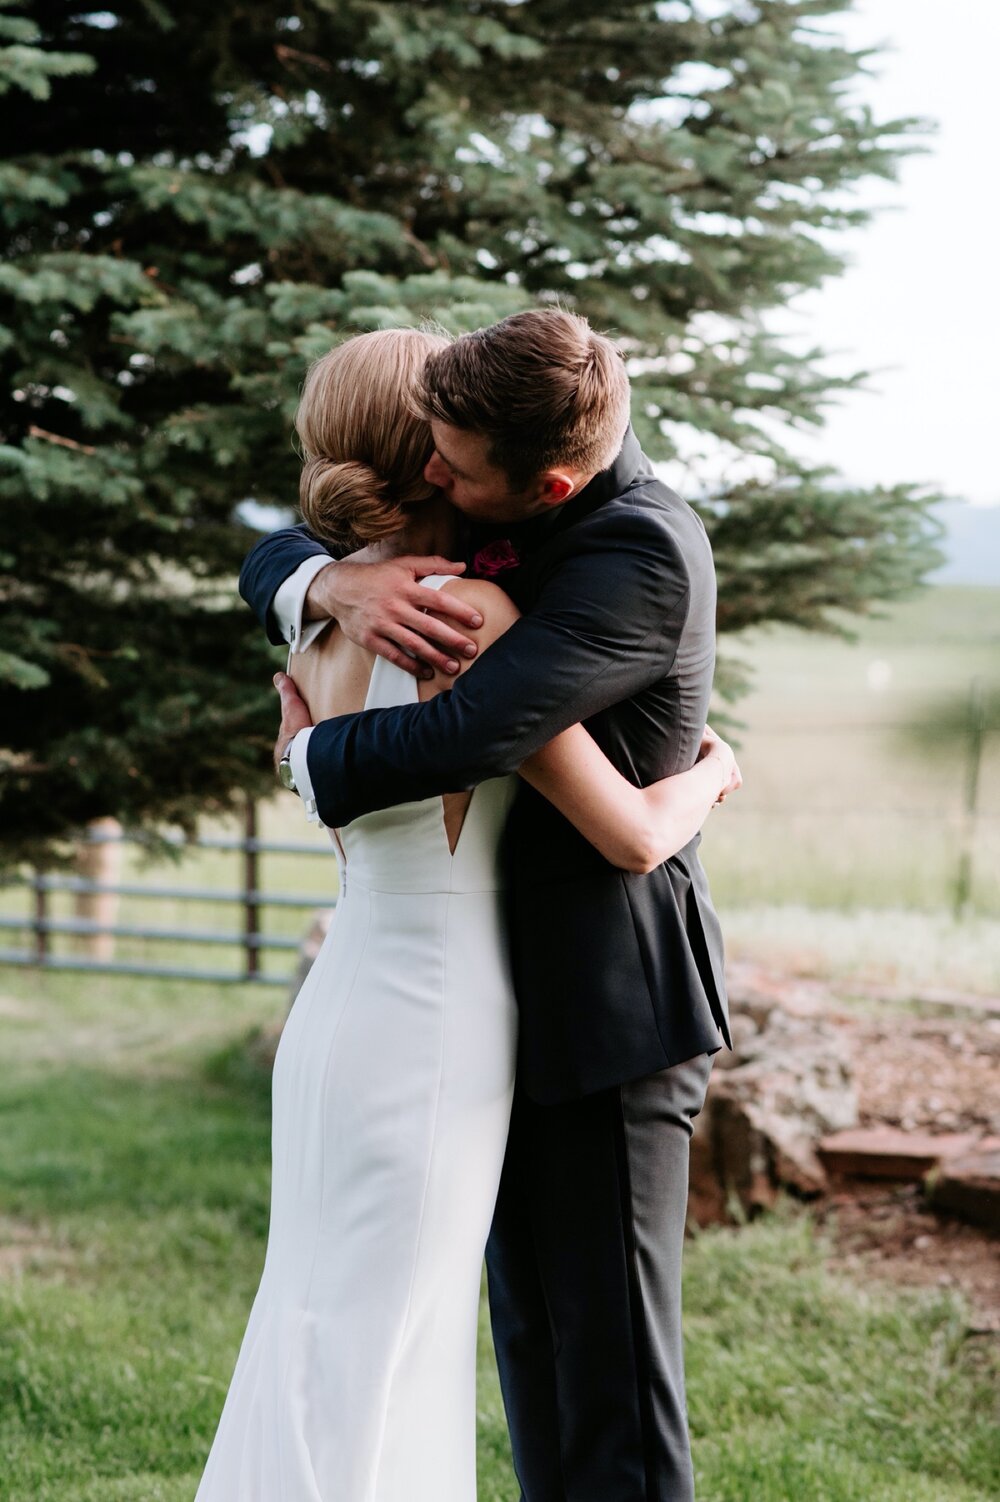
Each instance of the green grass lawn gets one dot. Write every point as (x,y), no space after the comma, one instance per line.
(134,1165)
(848,801)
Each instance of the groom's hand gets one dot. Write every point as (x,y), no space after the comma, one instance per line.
(295,714)
(383,608)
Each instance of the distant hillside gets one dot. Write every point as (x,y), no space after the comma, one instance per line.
(972,544)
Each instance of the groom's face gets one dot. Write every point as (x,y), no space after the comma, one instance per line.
(460,466)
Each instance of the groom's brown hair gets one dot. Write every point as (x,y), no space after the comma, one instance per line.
(542,386)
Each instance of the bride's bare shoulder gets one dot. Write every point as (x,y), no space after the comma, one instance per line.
(498,612)
(496,608)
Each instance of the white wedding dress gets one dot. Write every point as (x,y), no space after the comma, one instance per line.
(356,1380)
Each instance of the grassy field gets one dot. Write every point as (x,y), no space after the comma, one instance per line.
(134,1164)
(849,801)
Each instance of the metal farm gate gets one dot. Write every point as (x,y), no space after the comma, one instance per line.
(246,932)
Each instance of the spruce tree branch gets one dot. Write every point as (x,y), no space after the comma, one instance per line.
(427,256)
(286,54)
(66,443)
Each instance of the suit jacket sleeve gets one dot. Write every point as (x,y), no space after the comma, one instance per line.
(266,567)
(606,623)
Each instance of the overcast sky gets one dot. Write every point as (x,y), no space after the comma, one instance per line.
(921,300)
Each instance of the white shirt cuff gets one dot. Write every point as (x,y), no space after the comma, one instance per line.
(299,760)
(290,601)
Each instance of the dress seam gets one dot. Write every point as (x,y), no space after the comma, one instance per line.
(315,1257)
(423,1208)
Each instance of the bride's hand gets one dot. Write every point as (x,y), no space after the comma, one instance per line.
(713,745)
(295,714)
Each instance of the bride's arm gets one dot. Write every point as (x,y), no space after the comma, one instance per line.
(633,828)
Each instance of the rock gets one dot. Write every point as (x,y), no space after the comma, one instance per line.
(757,1150)
(968,1185)
(794,1162)
(886,1152)
(787,1083)
(741,1156)
(706,1195)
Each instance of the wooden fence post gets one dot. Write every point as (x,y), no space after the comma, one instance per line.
(973,763)
(100,860)
(41,915)
(251,911)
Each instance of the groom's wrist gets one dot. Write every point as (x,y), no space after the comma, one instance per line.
(299,622)
(319,601)
(297,752)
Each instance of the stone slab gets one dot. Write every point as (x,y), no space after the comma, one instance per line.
(890,1152)
(968,1186)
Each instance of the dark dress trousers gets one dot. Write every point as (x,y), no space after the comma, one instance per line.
(618,977)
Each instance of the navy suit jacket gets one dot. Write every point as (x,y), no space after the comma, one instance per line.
(617,975)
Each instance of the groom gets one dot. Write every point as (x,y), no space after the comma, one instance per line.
(618,977)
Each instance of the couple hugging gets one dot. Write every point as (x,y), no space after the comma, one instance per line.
(510,1027)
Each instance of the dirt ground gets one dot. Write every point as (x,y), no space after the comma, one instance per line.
(935,1067)
(930,1073)
(887,1232)
(933,1073)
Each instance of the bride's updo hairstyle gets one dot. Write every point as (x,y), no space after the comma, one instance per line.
(364,444)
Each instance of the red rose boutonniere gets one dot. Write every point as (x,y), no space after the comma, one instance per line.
(495,558)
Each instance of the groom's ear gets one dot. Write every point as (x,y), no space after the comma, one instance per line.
(555,486)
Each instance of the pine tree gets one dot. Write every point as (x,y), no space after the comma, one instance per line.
(194,204)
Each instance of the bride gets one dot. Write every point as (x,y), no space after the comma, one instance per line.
(392,1083)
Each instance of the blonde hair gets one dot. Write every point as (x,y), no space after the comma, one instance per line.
(542,386)
(364,443)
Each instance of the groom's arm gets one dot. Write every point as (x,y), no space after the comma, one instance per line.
(290,557)
(380,606)
(607,623)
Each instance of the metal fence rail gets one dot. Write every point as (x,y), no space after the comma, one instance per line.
(41,925)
